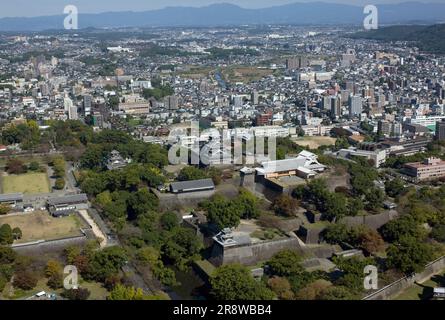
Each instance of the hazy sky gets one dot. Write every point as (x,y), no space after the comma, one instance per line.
(27,8)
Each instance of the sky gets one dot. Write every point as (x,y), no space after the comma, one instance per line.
(29,8)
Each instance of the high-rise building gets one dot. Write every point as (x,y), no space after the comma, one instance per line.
(348,58)
(87,104)
(303,62)
(326,103)
(72,113)
(237,101)
(67,103)
(255,97)
(292,63)
(335,107)
(440,130)
(355,105)
(171,102)
(384,128)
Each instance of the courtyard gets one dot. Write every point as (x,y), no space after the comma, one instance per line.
(28,183)
(41,226)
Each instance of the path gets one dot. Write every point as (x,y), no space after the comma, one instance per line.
(95,228)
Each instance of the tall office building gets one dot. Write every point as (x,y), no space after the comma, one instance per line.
(384,128)
(292,63)
(349,85)
(87,104)
(72,113)
(348,58)
(355,105)
(171,102)
(335,107)
(440,130)
(67,103)
(237,101)
(255,97)
(303,62)
(326,103)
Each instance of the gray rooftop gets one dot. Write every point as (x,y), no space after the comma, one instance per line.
(194,185)
(11,197)
(76,198)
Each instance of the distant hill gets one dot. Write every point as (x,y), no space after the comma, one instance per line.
(310,13)
(428,38)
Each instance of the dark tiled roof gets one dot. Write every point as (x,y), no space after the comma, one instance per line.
(11,197)
(77,198)
(189,186)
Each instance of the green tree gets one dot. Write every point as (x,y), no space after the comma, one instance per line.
(394,187)
(352,269)
(121,292)
(7,255)
(17,233)
(59,184)
(55,281)
(335,206)
(181,246)
(169,221)
(59,165)
(234,282)
(191,173)
(338,293)
(339,233)
(409,255)
(105,263)
(438,233)
(141,202)
(374,198)
(34,166)
(6,236)
(285,263)
(4,209)
(405,226)
(248,203)
(222,212)
(103,199)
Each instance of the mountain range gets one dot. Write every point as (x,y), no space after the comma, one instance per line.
(311,13)
(427,38)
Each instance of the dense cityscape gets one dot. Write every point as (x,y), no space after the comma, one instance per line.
(341,164)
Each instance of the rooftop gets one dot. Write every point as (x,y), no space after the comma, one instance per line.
(76,198)
(11,197)
(194,185)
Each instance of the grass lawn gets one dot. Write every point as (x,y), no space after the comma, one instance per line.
(423,291)
(245,74)
(26,183)
(41,226)
(97,291)
(315,141)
